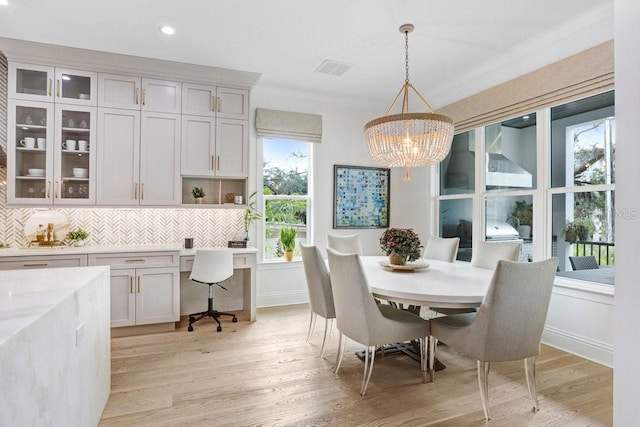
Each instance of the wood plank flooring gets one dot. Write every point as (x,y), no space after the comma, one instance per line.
(265,374)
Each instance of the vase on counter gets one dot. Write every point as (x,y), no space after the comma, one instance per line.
(396,259)
(198,200)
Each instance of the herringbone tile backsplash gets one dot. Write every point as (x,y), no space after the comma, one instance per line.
(129,226)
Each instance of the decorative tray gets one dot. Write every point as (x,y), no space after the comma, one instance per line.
(413,266)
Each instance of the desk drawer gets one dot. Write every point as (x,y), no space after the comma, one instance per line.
(43,261)
(135,259)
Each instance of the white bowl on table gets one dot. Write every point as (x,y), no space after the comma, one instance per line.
(80,172)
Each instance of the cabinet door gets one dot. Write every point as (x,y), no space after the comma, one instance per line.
(76,87)
(161,96)
(116,91)
(118,157)
(160,160)
(232,103)
(31,82)
(123,298)
(30,153)
(157,295)
(232,146)
(198,146)
(198,100)
(74,155)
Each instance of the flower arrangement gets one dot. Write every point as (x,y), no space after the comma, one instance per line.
(403,242)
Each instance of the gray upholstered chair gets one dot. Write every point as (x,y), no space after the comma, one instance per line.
(442,249)
(319,287)
(359,317)
(487,254)
(587,262)
(348,244)
(507,326)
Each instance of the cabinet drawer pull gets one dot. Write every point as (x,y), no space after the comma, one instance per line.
(213,103)
(49,87)
(133,260)
(219,105)
(130,284)
(137,96)
(144,97)
(139,281)
(55,190)
(213,163)
(142,191)
(58,88)
(135,191)
(48,189)
(218,163)
(43,264)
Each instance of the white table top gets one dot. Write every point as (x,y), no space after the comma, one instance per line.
(443,284)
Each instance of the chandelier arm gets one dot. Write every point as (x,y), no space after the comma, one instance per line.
(424,101)
(393,104)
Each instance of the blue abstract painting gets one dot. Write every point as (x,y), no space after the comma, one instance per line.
(361,197)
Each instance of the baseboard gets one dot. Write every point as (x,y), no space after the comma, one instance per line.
(586,348)
(275,299)
(142,329)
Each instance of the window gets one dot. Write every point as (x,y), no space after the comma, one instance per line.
(286,172)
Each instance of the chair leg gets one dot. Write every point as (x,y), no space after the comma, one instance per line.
(530,372)
(327,330)
(483,382)
(312,324)
(342,344)
(423,358)
(369,358)
(433,343)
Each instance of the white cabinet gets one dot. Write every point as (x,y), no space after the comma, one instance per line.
(214,147)
(136,93)
(32,82)
(138,158)
(41,170)
(43,261)
(145,287)
(215,101)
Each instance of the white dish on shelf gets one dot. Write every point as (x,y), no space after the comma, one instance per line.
(35,172)
(80,172)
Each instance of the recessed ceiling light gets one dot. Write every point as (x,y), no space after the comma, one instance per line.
(165,30)
(4,2)
(525,117)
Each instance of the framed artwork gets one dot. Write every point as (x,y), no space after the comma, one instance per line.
(361,197)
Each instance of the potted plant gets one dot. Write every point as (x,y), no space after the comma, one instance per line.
(250,214)
(78,237)
(581,228)
(288,241)
(198,194)
(401,245)
(523,211)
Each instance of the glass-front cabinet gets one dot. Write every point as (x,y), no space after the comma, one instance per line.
(31,82)
(50,153)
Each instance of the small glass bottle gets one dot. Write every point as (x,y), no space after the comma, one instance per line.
(40,233)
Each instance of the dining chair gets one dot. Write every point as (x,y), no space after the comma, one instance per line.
(507,326)
(359,318)
(319,287)
(211,267)
(348,244)
(587,262)
(487,254)
(442,249)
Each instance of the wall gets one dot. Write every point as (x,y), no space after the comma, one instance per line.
(626,387)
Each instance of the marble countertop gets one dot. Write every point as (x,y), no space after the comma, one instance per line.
(100,249)
(25,295)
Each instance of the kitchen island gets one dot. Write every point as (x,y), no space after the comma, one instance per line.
(55,347)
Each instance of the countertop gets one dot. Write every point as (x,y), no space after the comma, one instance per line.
(101,249)
(25,295)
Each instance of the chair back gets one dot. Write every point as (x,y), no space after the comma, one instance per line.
(511,318)
(587,262)
(212,265)
(348,244)
(487,254)
(318,282)
(442,249)
(356,309)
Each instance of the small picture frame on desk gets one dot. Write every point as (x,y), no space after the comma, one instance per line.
(236,244)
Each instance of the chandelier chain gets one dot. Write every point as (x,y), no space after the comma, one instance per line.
(406,56)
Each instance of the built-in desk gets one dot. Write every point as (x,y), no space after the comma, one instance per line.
(244,260)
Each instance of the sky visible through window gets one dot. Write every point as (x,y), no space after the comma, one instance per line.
(279,153)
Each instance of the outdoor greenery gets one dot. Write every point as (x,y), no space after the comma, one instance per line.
(579,229)
(288,238)
(523,211)
(401,241)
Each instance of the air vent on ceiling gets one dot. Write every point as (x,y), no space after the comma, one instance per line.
(335,68)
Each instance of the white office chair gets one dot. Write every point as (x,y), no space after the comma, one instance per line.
(211,266)
(348,244)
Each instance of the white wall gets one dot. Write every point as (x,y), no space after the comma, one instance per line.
(626,374)
(342,143)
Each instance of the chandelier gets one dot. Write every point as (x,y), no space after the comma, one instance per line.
(409,139)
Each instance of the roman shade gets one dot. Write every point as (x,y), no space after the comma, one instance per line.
(288,125)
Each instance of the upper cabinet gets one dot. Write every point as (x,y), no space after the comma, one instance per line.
(215,101)
(31,82)
(138,93)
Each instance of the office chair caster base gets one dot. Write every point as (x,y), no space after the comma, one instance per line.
(190,328)
(219,328)
(234,320)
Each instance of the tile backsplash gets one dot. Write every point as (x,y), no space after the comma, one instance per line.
(123,226)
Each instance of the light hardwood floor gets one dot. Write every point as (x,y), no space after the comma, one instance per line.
(265,374)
